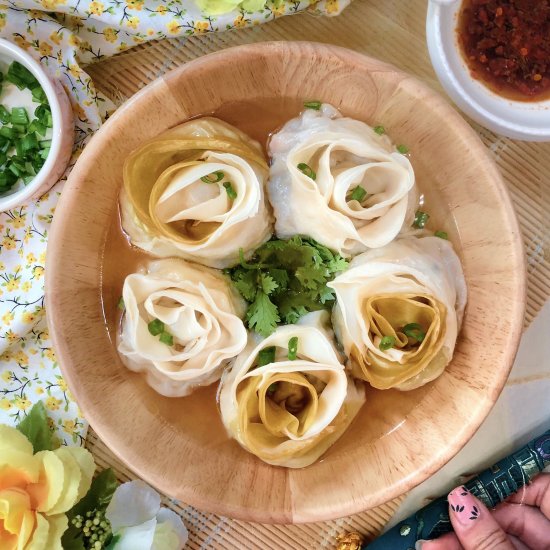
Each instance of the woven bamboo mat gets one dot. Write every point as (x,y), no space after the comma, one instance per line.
(391,30)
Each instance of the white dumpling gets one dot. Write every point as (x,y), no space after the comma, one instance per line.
(344,156)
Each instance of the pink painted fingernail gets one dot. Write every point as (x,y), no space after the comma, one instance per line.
(463,506)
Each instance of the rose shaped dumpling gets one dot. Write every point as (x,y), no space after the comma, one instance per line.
(398,311)
(182,323)
(287,399)
(336,180)
(197,192)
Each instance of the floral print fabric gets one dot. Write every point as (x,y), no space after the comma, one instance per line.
(65,35)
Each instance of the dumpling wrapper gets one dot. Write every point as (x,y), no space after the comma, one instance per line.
(312,403)
(411,280)
(202,312)
(168,210)
(344,154)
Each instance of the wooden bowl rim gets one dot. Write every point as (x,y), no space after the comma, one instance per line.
(108,433)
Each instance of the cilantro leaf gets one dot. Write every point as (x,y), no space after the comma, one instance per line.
(245,283)
(262,315)
(311,276)
(268,284)
(337,265)
(280,276)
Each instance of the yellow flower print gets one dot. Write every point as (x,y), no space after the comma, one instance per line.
(26,286)
(137,39)
(135,4)
(51,4)
(279,10)
(31,258)
(37,272)
(6,356)
(42,258)
(7,318)
(75,70)
(5,405)
(161,9)
(201,26)
(150,32)
(11,336)
(109,34)
(53,404)
(28,235)
(33,351)
(133,22)
(6,375)
(45,49)
(79,112)
(332,6)
(122,47)
(19,221)
(62,384)
(96,7)
(50,354)
(2,20)
(34,14)
(9,243)
(21,358)
(45,334)
(28,317)
(39,391)
(22,403)
(69,426)
(173,26)
(12,284)
(2,266)
(22,42)
(56,37)
(240,21)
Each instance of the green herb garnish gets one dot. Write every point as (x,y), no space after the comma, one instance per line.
(358,194)
(414,331)
(380,130)
(307,170)
(403,149)
(316,105)
(266,356)
(293,348)
(386,343)
(214,177)
(420,219)
(441,235)
(156,327)
(231,193)
(284,280)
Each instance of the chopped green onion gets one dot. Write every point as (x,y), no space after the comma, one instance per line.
(45,144)
(441,235)
(420,219)
(214,177)
(306,169)
(121,304)
(3,158)
(4,114)
(358,194)
(403,149)
(156,327)
(38,127)
(7,178)
(38,94)
(27,179)
(266,356)
(231,193)
(380,130)
(293,348)
(19,116)
(8,132)
(315,105)
(273,387)
(414,331)
(44,153)
(19,128)
(20,76)
(166,338)
(386,343)
(28,143)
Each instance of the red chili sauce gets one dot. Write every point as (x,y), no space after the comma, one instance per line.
(506,44)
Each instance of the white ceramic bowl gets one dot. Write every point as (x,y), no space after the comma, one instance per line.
(62,129)
(528,121)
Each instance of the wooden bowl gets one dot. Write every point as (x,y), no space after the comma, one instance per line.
(398,439)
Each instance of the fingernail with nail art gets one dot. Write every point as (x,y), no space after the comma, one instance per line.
(463,506)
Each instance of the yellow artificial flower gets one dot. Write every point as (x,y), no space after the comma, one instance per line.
(38,489)
(7,318)
(21,403)
(12,284)
(50,354)
(6,375)
(69,426)
(39,391)
(96,7)
(37,272)
(133,22)
(332,6)
(161,9)
(5,405)
(21,358)
(26,286)
(173,26)
(9,243)
(201,26)
(56,37)
(52,403)
(22,42)
(44,49)
(28,317)
(109,34)
(239,21)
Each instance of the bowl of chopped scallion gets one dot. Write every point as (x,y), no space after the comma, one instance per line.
(36,128)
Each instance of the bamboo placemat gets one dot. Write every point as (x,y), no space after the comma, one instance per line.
(391,30)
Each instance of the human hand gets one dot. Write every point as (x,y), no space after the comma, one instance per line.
(520,523)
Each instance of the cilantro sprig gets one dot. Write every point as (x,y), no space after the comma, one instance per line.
(284,280)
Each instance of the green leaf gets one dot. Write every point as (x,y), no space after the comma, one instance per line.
(36,429)
(326,294)
(311,276)
(338,264)
(281,277)
(246,284)
(262,315)
(268,284)
(98,497)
